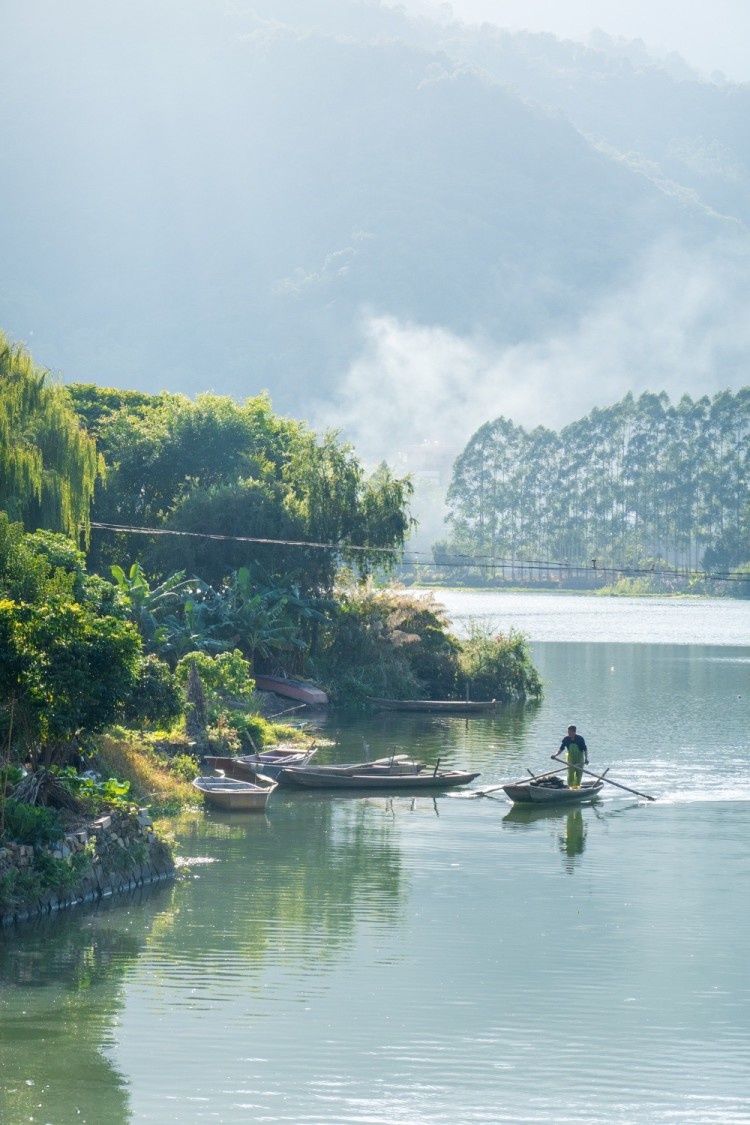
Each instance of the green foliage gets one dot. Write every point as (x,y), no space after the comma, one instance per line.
(155,697)
(20,885)
(67,663)
(48,463)
(224,677)
(628,587)
(60,874)
(32,824)
(496,666)
(388,643)
(97,795)
(184,766)
(213,467)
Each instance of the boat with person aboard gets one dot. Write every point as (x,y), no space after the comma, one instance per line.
(551,790)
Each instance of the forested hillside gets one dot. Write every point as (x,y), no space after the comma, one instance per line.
(642,483)
(199,196)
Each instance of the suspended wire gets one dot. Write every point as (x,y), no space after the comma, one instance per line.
(479,562)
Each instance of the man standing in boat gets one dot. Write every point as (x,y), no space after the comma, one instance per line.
(577,755)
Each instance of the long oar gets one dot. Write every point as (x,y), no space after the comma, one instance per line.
(487,789)
(607,779)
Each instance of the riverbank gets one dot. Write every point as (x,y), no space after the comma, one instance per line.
(114,853)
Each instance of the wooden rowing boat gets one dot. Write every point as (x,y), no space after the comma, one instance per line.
(231,793)
(444,706)
(543,791)
(246,767)
(301,690)
(372,776)
(392,765)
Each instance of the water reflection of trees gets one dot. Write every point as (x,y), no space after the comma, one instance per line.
(304,875)
(479,742)
(59,1001)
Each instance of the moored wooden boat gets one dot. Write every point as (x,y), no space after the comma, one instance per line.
(392,765)
(372,776)
(232,793)
(449,706)
(301,690)
(551,791)
(246,767)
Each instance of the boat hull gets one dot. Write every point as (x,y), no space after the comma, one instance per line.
(300,690)
(441,706)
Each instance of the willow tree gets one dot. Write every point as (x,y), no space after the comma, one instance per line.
(48,462)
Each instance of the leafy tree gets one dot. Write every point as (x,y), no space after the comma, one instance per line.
(222,477)
(67,663)
(48,463)
(67,670)
(154,696)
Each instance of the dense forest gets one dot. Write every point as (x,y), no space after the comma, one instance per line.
(641,484)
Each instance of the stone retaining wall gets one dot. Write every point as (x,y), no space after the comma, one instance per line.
(122,852)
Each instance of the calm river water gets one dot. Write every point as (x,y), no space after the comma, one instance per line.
(438,961)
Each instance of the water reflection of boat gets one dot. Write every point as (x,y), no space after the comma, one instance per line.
(531,813)
(246,767)
(230,793)
(551,790)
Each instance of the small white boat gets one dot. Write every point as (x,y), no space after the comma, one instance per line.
(230,793)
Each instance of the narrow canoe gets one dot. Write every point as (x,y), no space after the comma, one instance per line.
(231,793)
(455,706)
(300,690)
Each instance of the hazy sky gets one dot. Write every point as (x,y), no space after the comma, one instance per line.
(709,34)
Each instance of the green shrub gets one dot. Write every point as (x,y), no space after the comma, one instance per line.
(60,874)
(19,886)
(386,642)
(96,794)
(32,824)
(184,766)
(497,666)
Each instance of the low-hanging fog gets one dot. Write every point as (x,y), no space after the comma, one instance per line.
(398,225)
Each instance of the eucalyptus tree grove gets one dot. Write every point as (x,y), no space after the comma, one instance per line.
(639,481)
